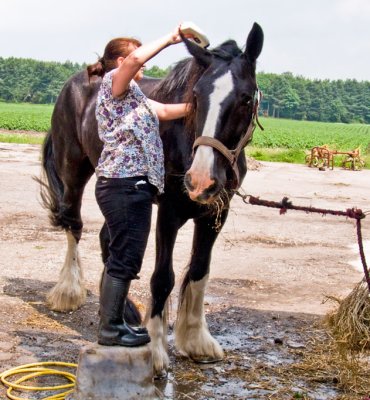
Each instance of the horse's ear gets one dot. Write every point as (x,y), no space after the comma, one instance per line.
(201,55)
(254,43)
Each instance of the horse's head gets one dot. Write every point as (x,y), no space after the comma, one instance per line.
(224,99)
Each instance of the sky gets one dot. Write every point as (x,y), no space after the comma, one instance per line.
(316,39)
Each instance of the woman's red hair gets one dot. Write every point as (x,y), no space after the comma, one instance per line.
(119,47)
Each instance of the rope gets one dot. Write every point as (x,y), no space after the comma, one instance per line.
(284,205)
(35,370)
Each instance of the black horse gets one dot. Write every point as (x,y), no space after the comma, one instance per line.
(201,175)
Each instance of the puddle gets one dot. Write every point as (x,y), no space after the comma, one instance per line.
(259,350)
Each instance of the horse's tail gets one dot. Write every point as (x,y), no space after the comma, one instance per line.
(51,186)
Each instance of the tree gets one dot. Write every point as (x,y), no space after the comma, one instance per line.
(156,72)
(284,95)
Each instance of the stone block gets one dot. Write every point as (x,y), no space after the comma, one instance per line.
(114,373)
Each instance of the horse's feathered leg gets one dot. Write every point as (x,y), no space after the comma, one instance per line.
(192,337)
(69,293)
(162,282)
(66,173)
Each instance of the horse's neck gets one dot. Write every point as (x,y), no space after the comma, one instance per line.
(177,141)
(148,85)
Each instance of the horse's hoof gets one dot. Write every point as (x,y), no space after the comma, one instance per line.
(61,302)
(205,359)
(159,375)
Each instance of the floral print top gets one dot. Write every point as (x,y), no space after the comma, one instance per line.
(129,130)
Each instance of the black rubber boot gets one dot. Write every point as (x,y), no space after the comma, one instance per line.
(127,303)
(140,330)
(113,330)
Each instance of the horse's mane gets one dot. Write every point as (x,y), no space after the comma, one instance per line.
(175,84)
(178,85)
(227,50)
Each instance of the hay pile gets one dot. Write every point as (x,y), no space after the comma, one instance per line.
(340,354)
(350,323)
(325,362)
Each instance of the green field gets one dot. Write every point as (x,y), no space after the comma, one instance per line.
(24,116)
(290,134)
(289,140)
(282,140)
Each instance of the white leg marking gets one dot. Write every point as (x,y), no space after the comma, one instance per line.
(223,86)
(157,328)
(192,335)
(69,293)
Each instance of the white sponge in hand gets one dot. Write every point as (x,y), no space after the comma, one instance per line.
(198,36)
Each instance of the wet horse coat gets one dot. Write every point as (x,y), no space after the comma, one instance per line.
(221,86)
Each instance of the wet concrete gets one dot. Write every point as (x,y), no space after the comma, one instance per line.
(262,261)
(259,349)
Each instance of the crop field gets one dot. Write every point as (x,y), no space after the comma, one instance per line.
(282,140)
(290,134)
(25,117)
(289,141)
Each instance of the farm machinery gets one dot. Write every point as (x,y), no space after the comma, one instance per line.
(323,157)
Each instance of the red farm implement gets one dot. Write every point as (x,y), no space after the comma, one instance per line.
(323,157)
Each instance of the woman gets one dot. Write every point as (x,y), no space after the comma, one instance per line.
(130,173)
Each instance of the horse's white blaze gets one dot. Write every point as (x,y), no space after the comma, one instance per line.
(192,335)
(69,293)
(158,336)
(223,86)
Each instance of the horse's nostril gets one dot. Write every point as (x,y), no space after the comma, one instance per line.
(188,183)
(213,189)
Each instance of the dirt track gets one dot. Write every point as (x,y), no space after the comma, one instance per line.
(269,276)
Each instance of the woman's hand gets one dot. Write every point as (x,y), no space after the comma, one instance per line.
(128,67)
(175,36)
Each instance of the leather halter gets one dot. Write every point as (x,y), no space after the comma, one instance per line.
(233,155)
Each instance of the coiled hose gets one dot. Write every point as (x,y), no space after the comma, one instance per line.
(31,371)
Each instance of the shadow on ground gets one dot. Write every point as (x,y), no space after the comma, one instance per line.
(259,347)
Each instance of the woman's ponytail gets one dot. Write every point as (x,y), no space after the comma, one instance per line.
(97,69)
(119,47)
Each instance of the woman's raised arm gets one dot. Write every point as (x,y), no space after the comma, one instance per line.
(129,66)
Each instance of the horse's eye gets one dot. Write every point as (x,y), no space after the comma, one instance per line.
(246,99)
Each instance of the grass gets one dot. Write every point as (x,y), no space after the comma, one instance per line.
(289,141)
(25,116)
(292,156)
(22,138)
(281,141)
(303,135)
(295,156)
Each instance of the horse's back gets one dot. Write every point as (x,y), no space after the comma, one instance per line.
(72,99)
(73,123)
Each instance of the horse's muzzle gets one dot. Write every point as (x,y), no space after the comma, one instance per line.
(203,191)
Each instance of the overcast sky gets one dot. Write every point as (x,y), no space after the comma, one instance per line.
(324,39)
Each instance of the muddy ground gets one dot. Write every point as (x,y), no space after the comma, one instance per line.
(269,280)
